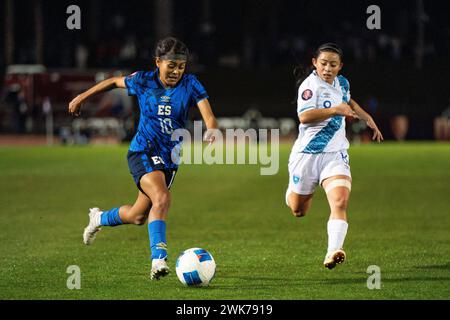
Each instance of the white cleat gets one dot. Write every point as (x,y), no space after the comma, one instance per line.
(159,269)
(93,227)
(333,258)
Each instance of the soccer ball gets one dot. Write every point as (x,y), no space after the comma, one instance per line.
(195,267)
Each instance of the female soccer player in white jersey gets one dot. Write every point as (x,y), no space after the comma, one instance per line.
(319,155)
(165,96)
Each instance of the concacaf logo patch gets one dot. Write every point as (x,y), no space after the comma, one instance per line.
(307,94)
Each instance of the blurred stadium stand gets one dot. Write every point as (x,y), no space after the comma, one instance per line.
(242,51)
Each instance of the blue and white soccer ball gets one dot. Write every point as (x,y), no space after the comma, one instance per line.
(195,267)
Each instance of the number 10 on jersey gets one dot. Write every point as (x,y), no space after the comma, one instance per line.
(166,123)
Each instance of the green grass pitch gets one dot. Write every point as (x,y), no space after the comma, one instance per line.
(399,220)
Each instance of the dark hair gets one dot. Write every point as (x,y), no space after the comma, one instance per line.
(300,72)
(170,45)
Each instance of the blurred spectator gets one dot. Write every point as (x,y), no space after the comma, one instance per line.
(253,115)
(399,126)
(81,56)
(128,51)
(115,103)
(359,132)
(442,124)
(371,104)
(16,99)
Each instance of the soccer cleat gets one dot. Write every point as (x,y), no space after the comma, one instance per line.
(93,227)
(159,269)
(333,258)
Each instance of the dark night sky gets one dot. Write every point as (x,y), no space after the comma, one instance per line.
(268,38)
(263,20)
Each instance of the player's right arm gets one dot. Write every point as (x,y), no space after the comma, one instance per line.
(105,85)
(318,115)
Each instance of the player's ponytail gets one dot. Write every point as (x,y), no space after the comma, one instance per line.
(301,73)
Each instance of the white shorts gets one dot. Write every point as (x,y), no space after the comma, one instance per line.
(307,170)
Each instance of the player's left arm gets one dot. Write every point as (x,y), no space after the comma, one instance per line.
(368,119)
(209,119)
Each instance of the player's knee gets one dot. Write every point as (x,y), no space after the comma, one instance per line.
(340,203)
(161,201)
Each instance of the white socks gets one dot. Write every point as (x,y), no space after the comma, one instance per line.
(337,230)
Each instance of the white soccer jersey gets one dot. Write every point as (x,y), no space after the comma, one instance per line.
(327,135)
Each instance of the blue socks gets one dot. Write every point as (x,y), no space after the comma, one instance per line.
(157,235)
(110,218)
(156,232)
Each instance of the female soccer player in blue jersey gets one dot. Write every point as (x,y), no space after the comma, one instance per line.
(319,155)
(164,97)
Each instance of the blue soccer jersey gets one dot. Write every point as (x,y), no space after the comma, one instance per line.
(163,110)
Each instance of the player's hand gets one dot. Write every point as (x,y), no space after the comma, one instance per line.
(376,132)
(75,106)
(210,135)
(345,110)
